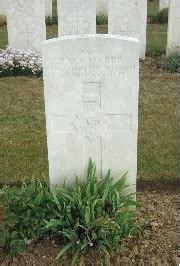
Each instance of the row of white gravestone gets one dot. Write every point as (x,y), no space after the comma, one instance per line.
(102,6)
(26,23)
(47,3)
(126,17)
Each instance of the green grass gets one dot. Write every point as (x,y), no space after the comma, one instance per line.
(153,7)
(156,36)
(23,142)
(23,136)
(3,37)
(158,126)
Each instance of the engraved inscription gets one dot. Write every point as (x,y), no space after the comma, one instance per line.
(89,63)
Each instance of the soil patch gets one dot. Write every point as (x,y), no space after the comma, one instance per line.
(155,244)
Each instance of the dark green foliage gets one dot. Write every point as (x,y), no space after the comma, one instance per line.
(101,19)
(172,63)
(51,21)
(161,17)
(25,209)
(19,71)
(95,214)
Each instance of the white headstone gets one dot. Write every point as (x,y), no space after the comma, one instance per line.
(173,44)
(102,6)
(91,87)
(129,18)
(76,17)
(48,8)
(2,8)
(163,4)
(26,24)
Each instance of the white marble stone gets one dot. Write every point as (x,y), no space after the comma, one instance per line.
(91,85)
(173,43)
(2,8)
(48,8)
(102,7)
(76,17)
(163,4)
(26,24)
(129,18)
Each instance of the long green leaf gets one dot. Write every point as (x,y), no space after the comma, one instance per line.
(64,250)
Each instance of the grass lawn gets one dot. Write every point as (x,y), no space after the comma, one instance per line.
(153,7)
(23,140)
(156,36)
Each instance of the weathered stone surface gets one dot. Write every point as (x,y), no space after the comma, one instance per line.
(91,99)
(173,43)
(26,24)
(48,8)
(76,17)
(129,18)
(102,6)
(2,8)
(163,4)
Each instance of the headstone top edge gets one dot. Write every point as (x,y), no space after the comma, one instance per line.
(90,36)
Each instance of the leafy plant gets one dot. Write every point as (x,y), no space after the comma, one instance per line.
(95,213)
(51,21)
(101,19)
(161,17)
(25,209)
(172,63)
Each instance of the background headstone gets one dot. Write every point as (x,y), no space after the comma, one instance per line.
(102,6)
(2,8)
(163,4)
(76,17)
(91,99)
(173,43)
(26,24)
(48,8)
(143,27)
(129,18)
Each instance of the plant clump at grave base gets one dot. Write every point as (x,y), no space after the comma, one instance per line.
(94,214)
(172,63)
(15,62)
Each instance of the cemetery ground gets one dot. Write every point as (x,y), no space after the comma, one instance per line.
(24,154)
